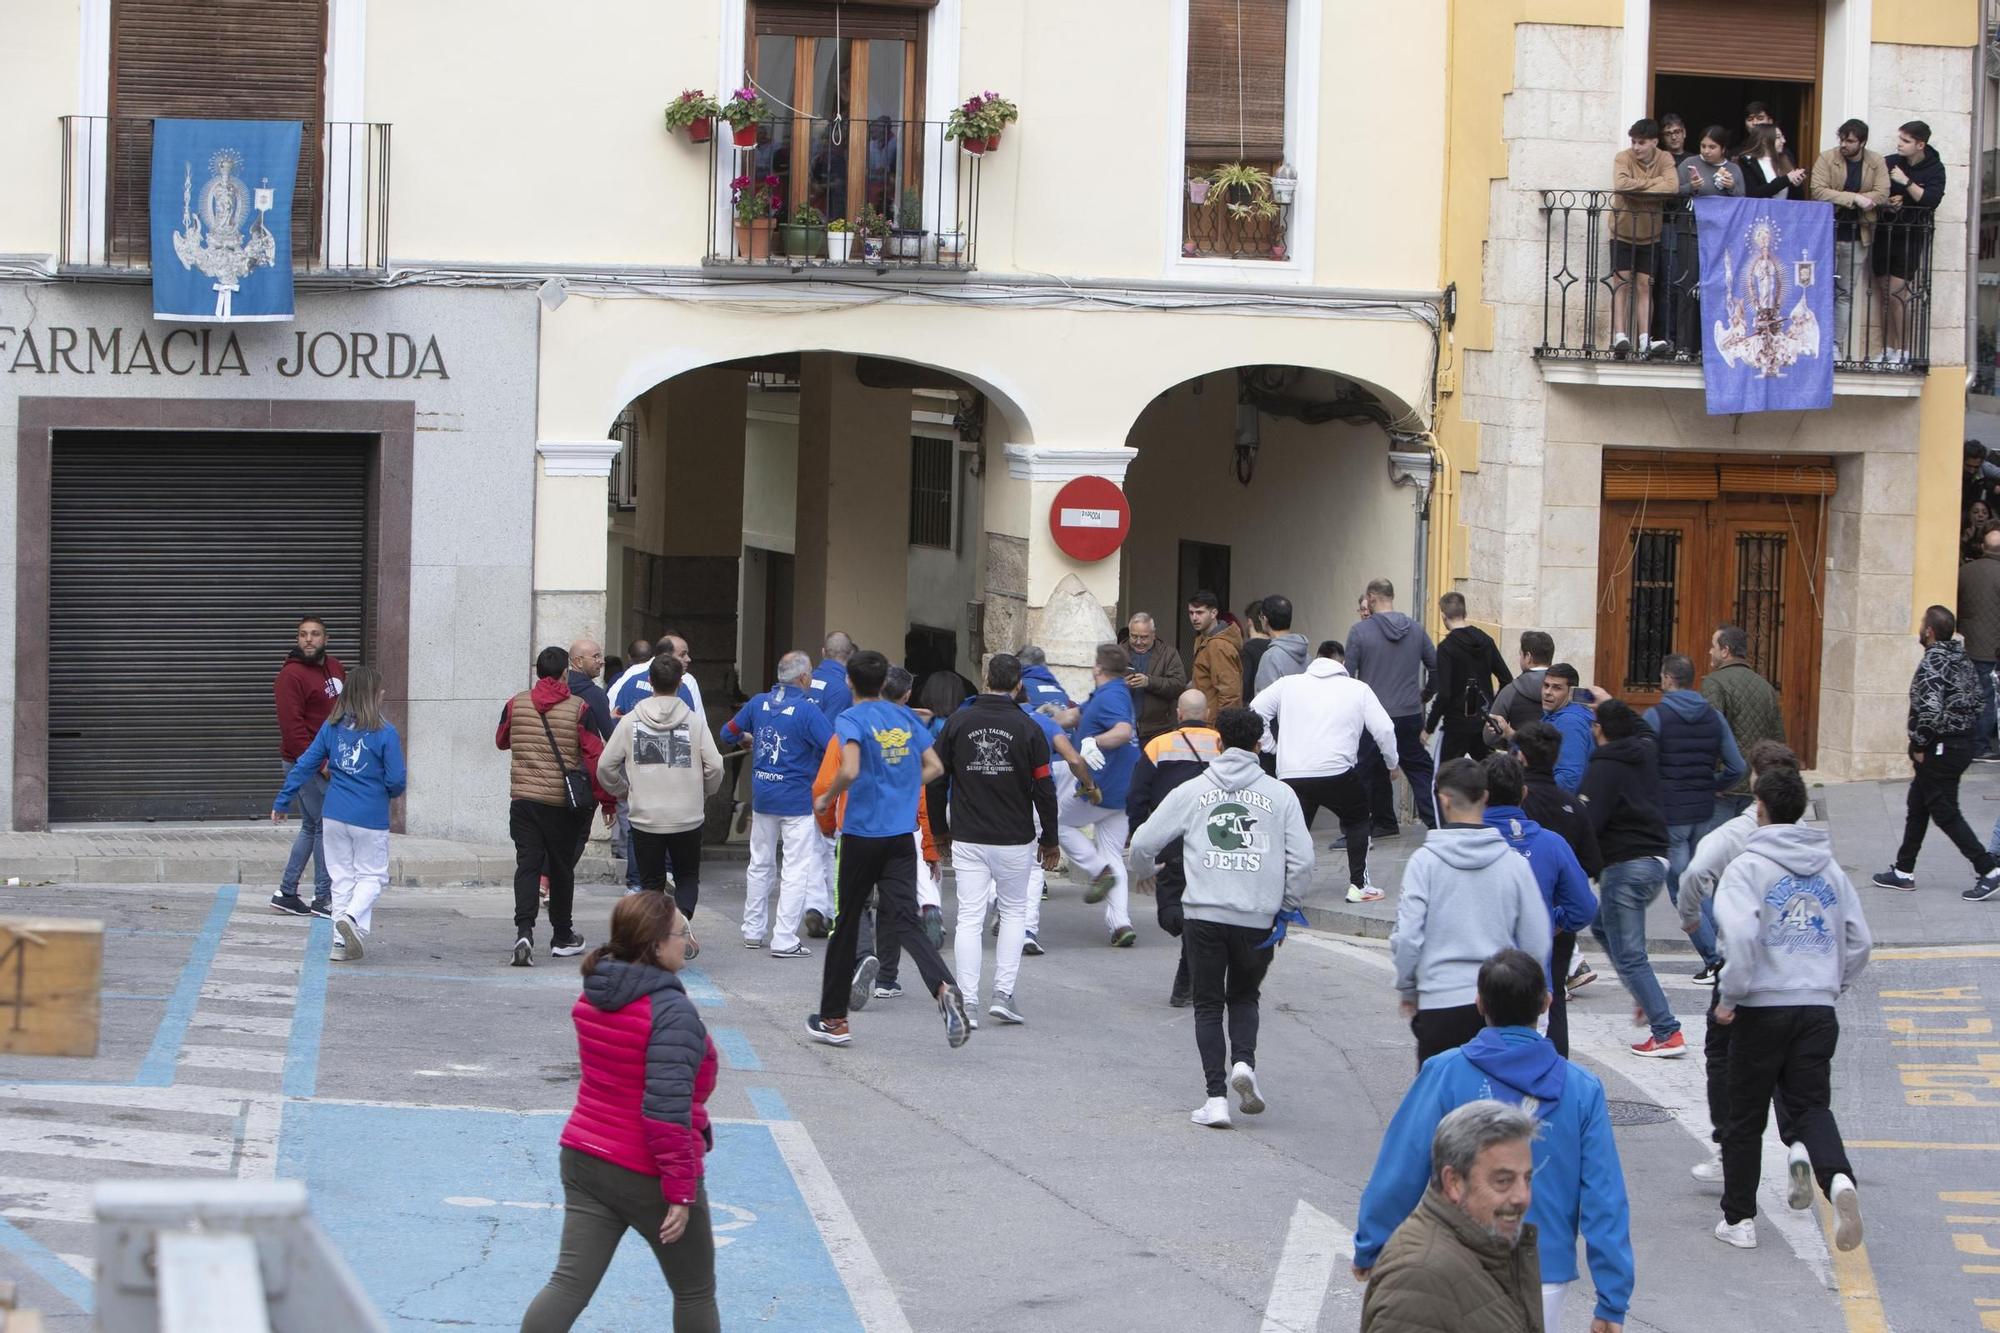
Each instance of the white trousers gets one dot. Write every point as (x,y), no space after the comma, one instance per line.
(819,892)
(798,836)
(1554,1296)
(357,859)
(987,872)
(929,892)
(1093,854)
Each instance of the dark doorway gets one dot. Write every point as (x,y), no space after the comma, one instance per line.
(1704,100)
(1204,568)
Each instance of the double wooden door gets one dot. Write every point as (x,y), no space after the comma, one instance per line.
(1688,543)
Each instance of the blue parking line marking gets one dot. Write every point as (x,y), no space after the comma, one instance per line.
(700,989)
(42,1261)
(483,1189)
(157,1070)
(735,1048)
(309,1013)
(768,1104)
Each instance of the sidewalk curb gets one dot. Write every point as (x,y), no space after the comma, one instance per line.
(1343,920)
(260,869)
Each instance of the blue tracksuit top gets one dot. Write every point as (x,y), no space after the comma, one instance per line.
(364,773)
(1579,1184)
(829,688)
(1558,874)
(789,735)
(1573,721)
(1041,687)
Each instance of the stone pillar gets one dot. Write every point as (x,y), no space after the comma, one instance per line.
(1034,593)
(852,568)
(570,540)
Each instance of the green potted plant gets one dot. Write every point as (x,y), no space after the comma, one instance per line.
(873,225)
(754,200)
(744,109)
(839,240)
(804,233)
(972,125)
(1243,189)
(693,111)
(906,240)
(1000,114)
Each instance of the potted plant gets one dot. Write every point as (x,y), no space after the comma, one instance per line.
(694,111)
(1242,189)
(906,240)
(1197,190)
(1284,184)
(744,109)
(950,244)
(1000,114)
(874,228)
(839,240)
(754,201)
(972,125)
(804,233)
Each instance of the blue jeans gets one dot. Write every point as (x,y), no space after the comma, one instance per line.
(1624,891)
(1983,733)
(310,842)
(622,844)
(1728,807)
(1681,840)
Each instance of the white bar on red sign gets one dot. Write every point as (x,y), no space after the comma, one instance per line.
(1090,518)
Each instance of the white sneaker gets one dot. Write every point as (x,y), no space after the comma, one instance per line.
(1710,1171)
(1363,893)
(343,926)
(338,953)
(1213,1113)
(1243,1081)
(1743,1235)
(1799,1182)
(1846,1212)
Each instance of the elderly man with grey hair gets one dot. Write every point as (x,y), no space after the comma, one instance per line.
(788,735)
(1157,676)
(1466,1259)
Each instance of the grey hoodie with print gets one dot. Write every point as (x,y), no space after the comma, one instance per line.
(663,761)
(1789,920)
(1466,896)
(1245,846)
(1390,654)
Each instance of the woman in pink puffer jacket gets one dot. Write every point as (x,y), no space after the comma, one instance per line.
(632,1150)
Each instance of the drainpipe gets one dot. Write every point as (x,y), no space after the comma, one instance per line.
(1976,178)
(1413,467)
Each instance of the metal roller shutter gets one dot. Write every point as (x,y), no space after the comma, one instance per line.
(178,567)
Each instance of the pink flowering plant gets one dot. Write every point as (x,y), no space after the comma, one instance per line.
(981,116)
(746,106)
(754,198)
(693,104)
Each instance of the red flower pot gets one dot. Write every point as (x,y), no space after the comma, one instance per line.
(973,146)
(747,136)
(992,141)
(701,129)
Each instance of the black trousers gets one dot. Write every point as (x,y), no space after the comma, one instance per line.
(1934,800)
(1418,771)
(1168,886)
(658,854)
(1463,736)
(1347,796)
(1225,970)
(1715,1059)
(888,867)
(1559,959)
(1791,1045)
(545,842)
(1441,1030)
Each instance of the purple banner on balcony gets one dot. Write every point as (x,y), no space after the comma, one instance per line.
(1766,303)
(222,219)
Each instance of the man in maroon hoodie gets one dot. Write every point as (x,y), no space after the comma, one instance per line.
(308,685)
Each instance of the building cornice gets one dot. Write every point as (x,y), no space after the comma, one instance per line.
(578,458)
(1055,462)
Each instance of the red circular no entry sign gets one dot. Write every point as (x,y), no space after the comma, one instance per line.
(1089,518)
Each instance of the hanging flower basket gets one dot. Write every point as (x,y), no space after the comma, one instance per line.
(694,111)
(745,136)
(744,110)
(992,141)
(701,130)
(976,147)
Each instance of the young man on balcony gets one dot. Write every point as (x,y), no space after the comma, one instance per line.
(1642,180)
(1856,182)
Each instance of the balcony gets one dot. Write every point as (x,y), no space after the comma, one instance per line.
(340,214)
(1882,326)
(909,198)
(1237,222)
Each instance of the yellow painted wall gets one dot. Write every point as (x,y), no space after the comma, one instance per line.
(1927,22)
(38,64)
(1940,463)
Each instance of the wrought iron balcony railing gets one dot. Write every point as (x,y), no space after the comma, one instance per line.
(1593,280)
(340,204)
(908,197)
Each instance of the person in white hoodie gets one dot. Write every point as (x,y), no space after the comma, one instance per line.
(1466,895)
(663,761)
(1314,720)
(1793,939)
(1248,858)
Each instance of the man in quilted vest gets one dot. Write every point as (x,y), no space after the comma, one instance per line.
(547,734)
(1698,759)
(1747,703)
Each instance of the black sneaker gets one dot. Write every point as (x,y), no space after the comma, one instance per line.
(1990,757)
(1986,886)
(1181,997)
(1892,878)
(566,944)
(1124,937)
(323,909)
(862,989)
(815,925)
(524,951)
(1380,831)
(932,920)
(832,1031)
(290,904)
(1709,972)
(956,1026)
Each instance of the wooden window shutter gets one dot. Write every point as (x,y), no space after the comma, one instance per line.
(888,20)
(1778,478)
(1771,39)
(217,60)
(1220,126)
(1659,481)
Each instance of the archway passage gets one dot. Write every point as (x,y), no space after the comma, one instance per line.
(1264,480)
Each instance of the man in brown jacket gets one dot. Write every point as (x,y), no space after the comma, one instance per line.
(548,735)
(1218,656)
(1466,1260)
(1157,676)
(1642,180)
(1856,182)
(1979,622)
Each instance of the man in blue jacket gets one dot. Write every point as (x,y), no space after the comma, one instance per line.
(1039,685)
(1698,762)
(1558,874)
(1579,1184)
(829,688)
(1570,717)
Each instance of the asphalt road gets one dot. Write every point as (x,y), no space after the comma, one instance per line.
(1042,1177)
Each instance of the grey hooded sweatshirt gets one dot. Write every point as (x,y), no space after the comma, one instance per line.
(1287,656)
(1390,653)
(1466,896)
(663,761)
(1789,920)
(1244,843)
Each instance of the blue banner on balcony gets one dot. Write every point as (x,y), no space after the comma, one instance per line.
(222,219)
(1766,303)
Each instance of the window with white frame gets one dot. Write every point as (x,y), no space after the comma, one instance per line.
(1239,188)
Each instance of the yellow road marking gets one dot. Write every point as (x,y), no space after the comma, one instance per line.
(1860,1294)
(1923,1147)
(1913,955)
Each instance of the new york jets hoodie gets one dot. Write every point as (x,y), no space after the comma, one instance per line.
(1245,846)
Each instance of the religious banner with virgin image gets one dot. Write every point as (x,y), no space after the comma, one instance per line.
(1766,303)
(222,219)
